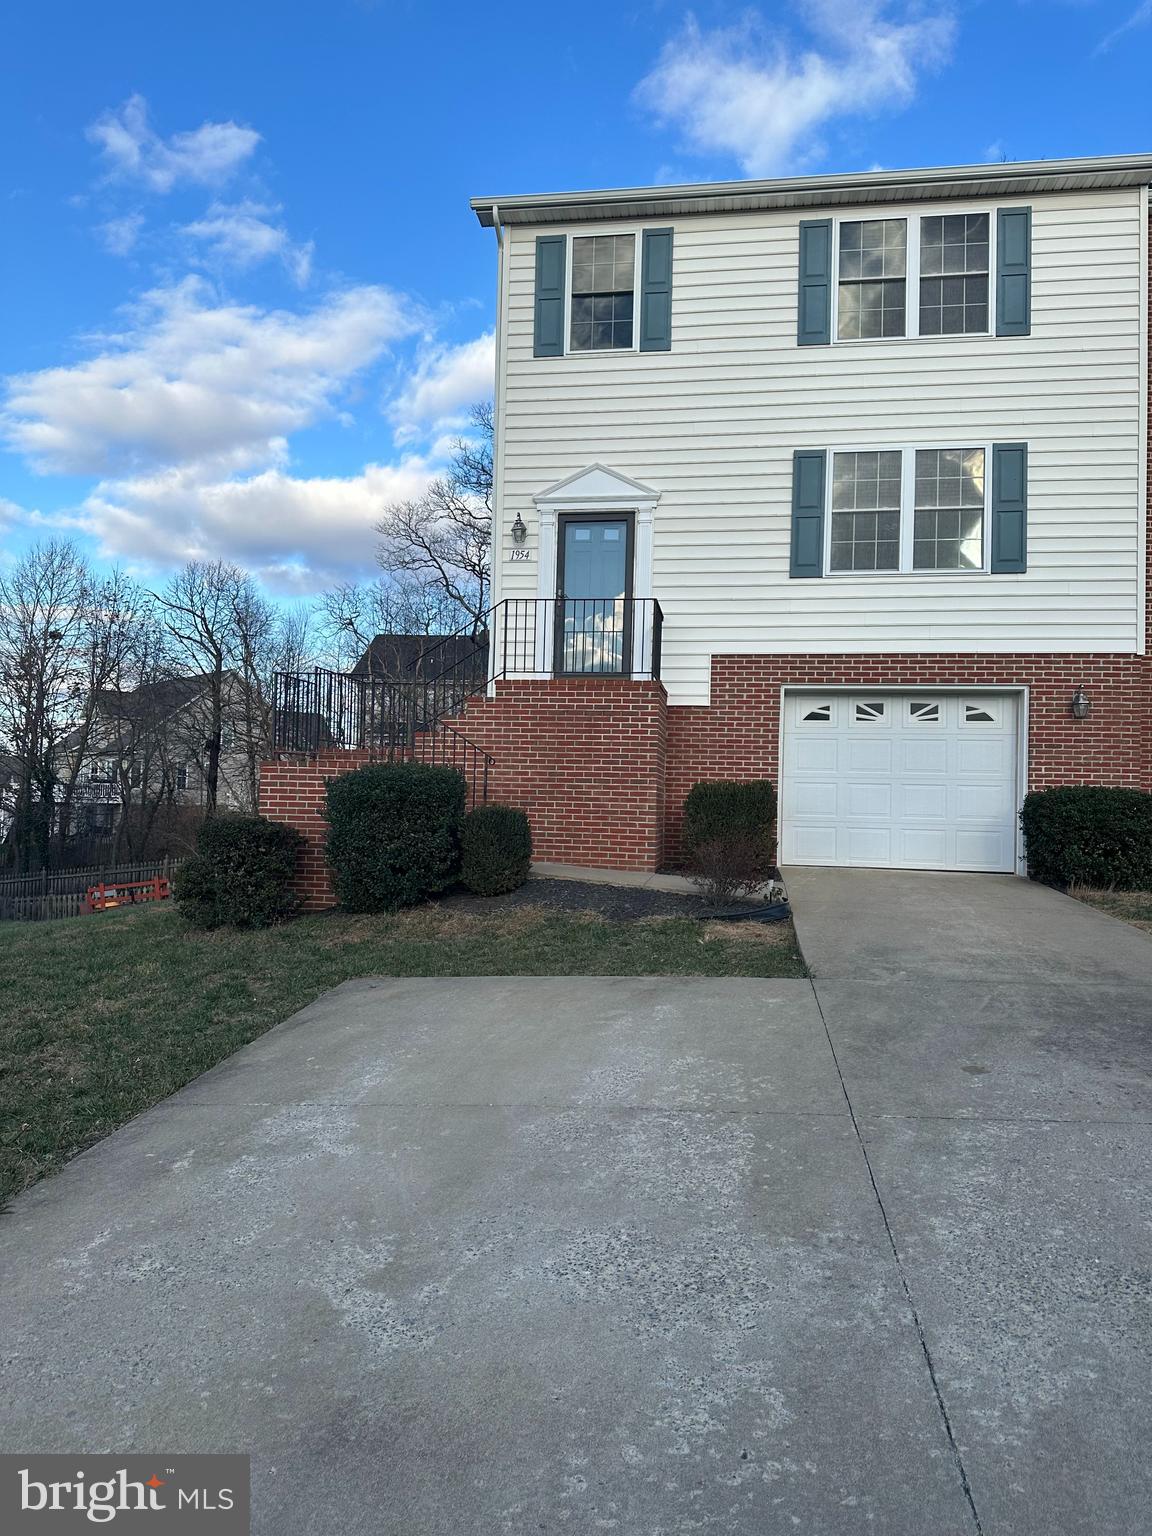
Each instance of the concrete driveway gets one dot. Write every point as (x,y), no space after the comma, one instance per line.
(645,1256)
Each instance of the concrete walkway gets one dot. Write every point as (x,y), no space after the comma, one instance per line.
(638,1255)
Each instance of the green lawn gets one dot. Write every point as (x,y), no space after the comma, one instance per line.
(101,1016)
(1133,907)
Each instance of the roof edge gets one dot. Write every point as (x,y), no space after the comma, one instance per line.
(1082,172)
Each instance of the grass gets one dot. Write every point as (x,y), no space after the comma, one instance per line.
(101,1016)
(1133,907)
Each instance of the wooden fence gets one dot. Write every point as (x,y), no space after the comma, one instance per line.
(32,898)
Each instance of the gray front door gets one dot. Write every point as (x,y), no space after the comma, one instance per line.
(593,608)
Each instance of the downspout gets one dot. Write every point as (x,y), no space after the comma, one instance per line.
(497,544)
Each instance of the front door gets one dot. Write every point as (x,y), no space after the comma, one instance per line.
(594,588)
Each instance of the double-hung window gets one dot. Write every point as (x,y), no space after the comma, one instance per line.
(907,509)
(913,276)
(603,293)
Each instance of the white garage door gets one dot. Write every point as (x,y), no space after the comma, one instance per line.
(900,781)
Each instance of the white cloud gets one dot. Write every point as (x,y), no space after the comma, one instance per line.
(445,381)
(198,383)
(134,151)
(298,534)
(120,235)
(751,93)
(1140,17)
(244,235)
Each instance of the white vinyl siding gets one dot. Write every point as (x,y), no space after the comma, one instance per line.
(712,425)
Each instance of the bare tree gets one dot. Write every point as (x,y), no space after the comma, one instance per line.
(199,606)
(444,537)
(63,635)
(351,615)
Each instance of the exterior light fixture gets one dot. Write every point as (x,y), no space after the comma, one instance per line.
(519,530)
(1081,705)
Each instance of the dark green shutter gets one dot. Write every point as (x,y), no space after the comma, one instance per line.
(656,291)
(548,339)
(807,558)
(814,311)
(1013,271)
(1009,507)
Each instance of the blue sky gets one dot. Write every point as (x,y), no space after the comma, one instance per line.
(243,302)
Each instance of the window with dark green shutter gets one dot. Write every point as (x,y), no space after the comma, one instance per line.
(1009,508)
(1014,272)
(548,336)
(656,291)
(814,312)
(807,548)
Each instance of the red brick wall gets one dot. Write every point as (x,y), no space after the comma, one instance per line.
(292,790)
(585,759)
(737,736)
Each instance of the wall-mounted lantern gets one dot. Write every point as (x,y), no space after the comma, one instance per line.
(519,530)
(1081,705)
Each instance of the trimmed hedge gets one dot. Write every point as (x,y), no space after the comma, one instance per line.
(496,850)
(241,873)
(394,834)
(1086,834)
(726,810)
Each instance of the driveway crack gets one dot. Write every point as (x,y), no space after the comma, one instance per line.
(912,1307)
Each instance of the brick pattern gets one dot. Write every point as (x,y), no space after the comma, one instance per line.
(292,790)
(585,759)
(737,736)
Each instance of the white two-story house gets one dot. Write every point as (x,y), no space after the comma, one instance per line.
(839,481)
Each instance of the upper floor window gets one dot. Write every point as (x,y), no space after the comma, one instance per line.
(873,278)
(909,509)
(954,274)
(927,276)
(603,292)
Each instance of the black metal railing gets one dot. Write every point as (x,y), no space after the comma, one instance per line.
(394,711)
(578,637)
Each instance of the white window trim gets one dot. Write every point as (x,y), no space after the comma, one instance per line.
(911,217)
(580,234)
(908,453)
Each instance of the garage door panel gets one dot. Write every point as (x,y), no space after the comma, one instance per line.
(917,755)
(868,756)
(818,755)
(811,845)
(983,802)
(868,845)
(923,848)
(923,802)
(984,754)
(820,799)
(915,781)
(868,799)
(982,850)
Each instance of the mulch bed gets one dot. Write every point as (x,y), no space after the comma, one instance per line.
(615,901)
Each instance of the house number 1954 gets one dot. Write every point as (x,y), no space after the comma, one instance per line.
(521,554)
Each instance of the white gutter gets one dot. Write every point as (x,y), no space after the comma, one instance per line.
(1001,179)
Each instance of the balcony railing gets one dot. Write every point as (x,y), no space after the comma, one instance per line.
(577,637)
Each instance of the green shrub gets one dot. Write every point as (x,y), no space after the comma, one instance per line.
(496,850)
(241,873)
(1089,835)
(394,834)
(725,810)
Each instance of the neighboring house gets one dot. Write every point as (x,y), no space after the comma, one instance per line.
(149,747)
(408,657)
(835,480)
